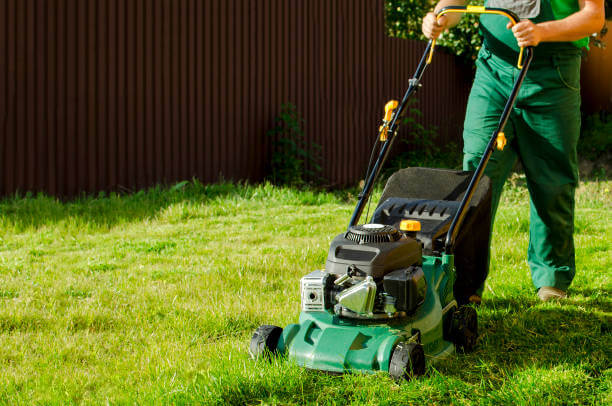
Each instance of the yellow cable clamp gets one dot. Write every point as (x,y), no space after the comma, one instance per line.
(501,141)
(474,10)
(384,128)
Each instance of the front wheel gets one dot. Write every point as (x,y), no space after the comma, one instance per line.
(264,341)
(407,361)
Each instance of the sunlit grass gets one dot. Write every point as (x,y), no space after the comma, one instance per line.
(153,297)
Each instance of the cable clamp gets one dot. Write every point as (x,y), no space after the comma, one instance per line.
(414,82)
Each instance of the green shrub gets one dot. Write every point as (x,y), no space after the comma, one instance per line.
(404,17)
(595,136)
(294,159)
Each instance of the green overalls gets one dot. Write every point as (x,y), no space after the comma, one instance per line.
(542,132)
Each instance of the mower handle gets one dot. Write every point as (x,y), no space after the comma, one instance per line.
(393,110)
(478,10)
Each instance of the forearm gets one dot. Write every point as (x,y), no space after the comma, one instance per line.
(453,18)
(581,24)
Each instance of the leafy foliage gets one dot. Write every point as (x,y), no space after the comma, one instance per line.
(404,19)
(595,140)
(294,159)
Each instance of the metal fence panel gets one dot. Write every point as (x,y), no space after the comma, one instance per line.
(123,94)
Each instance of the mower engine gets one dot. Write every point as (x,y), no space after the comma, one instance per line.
(373,271)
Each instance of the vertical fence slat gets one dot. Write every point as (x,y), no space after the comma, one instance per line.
(21,93)
(111,93)
(122,160)
(139,94)
(149,121)
(183,91)
(198,111)
(166,85)
(81,138)
(208,105)
(158,131)
(72,159)
(8,143)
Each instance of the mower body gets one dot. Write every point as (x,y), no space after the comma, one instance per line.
(329,342)
(387,299)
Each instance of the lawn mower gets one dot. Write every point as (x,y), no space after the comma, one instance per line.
(392,292)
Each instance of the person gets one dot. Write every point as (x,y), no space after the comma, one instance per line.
(544,125)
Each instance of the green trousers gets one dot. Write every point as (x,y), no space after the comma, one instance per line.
(542,132)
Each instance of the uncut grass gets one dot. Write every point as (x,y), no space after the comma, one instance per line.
(153,297)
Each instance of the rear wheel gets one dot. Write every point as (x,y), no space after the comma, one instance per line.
(264,341)
(464,329)
(407,361)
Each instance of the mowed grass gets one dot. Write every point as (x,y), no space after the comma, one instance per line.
(153,297)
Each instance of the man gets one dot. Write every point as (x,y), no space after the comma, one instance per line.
(544,126)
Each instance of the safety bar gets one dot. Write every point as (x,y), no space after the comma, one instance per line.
(394,110)
(478,10)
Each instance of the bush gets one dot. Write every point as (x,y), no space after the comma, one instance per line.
(403,19)
(294,160)
(595,136)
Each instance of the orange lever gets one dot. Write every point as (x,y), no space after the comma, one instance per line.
(389,109)
(384,128)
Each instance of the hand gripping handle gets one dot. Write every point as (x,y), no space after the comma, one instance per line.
(478,10)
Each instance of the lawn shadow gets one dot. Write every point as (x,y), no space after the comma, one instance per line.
(20,213)
(525,333)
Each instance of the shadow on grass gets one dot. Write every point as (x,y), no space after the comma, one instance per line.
(517,333)
(20,213)
(104,210)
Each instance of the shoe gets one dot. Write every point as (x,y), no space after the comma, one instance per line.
(475,299)
(546,293)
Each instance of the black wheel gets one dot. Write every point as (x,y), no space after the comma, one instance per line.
(464,329)
(264,341)
(407,360)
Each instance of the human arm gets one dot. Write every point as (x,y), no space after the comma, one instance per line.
(589,19)
(432,27)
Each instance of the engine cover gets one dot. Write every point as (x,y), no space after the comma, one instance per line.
(372,250)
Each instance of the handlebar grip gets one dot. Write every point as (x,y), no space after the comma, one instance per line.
(478,10)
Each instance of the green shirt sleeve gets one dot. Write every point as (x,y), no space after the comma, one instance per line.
(565,8)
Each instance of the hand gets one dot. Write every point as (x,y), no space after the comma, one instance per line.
(526,33)
(432,27)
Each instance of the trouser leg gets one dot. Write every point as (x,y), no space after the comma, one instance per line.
(485,106)
(547,140)
(545,128)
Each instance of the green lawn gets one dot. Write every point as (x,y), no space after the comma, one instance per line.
(152,298)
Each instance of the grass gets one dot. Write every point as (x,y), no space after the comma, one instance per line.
(152,298)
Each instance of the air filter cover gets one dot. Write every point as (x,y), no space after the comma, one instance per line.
(373,234)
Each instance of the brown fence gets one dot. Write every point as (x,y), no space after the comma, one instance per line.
(112,94)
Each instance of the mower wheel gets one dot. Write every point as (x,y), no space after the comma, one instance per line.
(407,361)
(464,329)
(264,341)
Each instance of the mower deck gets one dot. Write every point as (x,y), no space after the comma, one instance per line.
(325,341)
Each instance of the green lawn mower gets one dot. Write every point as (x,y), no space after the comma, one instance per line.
(393,292)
